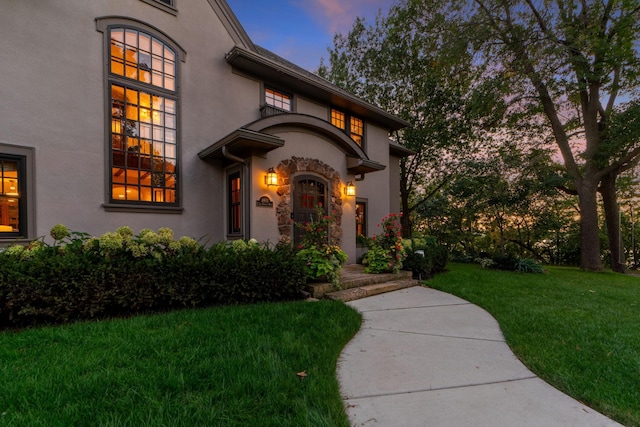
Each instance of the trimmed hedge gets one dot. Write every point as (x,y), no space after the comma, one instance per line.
(119,274)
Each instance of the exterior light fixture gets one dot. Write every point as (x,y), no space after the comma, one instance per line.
(271,178)
(350,189)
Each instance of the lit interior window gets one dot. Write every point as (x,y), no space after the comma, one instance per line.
(277,99)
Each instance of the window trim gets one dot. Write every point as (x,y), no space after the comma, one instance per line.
(279,92)
(104,26)
(169,8)
(233,172)
(365,203)
(26,156)
(347,125)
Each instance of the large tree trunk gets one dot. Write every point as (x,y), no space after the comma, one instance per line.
(612,219)
(405,221)
(589,231)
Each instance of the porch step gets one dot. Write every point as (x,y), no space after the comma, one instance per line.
(370,290)
(353,276)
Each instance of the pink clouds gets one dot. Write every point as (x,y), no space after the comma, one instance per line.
(338,15)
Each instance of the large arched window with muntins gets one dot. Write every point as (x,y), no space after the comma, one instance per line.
(142,75)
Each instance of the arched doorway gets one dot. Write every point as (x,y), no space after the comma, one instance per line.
(309,193)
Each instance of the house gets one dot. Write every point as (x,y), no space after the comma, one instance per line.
(163,113)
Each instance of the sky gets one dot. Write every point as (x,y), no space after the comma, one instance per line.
(302,30)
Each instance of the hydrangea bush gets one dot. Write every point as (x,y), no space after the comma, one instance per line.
(121,273)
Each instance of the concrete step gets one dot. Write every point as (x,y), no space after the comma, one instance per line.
(370,290)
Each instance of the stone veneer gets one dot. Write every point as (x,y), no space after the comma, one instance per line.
(289,167)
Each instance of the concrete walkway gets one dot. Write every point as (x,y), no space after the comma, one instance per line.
(426,358)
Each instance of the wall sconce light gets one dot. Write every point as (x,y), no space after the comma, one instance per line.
(271,178)
(350,189)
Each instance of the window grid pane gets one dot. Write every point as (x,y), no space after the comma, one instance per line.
(10,197)
(277,99)
(143,163)
(138,56)
(337,119)
(235,204)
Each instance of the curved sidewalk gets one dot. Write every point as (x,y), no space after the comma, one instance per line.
(427,358)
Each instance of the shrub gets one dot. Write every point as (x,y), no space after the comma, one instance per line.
(424,257)
(321,260)
(504,262)
(79,277)
(526,265)
(385,249)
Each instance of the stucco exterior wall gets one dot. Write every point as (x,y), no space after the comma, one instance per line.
(53,98)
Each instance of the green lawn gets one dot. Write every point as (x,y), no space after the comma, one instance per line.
(577,330)
(224,366)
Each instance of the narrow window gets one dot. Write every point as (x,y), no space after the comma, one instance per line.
(143,117)
(357,130)
(361,220)
(235,204)
(337,119)
(12,201)
(353,126)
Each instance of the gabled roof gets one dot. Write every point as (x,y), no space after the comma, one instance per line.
(268,66)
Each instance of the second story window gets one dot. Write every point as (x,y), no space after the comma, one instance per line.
(353,126)
(277,99)
(144,121)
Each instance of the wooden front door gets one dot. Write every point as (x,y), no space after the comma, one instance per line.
(309,192)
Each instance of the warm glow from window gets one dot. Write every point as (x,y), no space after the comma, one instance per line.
(277,99)
(143,123)
(143,146)
(337,119)
(139,56)
(9,197)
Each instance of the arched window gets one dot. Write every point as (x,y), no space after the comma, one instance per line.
(143,116)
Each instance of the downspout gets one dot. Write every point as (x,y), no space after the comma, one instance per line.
(230,156)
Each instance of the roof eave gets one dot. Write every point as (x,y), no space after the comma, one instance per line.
(314,88)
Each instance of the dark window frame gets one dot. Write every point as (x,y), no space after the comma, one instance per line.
(168,6)
(25,156)
(235,208)
(104,25)
(365,217)
(281,93)
(348,127)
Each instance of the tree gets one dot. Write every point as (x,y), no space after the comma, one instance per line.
(572,61)
(429,81)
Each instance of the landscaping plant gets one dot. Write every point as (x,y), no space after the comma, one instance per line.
(385,250)
(322,260)
(119,273)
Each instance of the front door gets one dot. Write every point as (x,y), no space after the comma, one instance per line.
(309,193)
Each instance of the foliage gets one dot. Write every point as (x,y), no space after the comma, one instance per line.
(577,330)
(323,263)
(385,251)
(414,63)
(119,273)
(321,260)
(528,266)
(220,366)
(424,257)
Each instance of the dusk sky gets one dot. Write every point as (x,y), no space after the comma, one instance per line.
(302,30)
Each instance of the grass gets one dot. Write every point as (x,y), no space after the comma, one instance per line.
(577,330)
(224,366)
